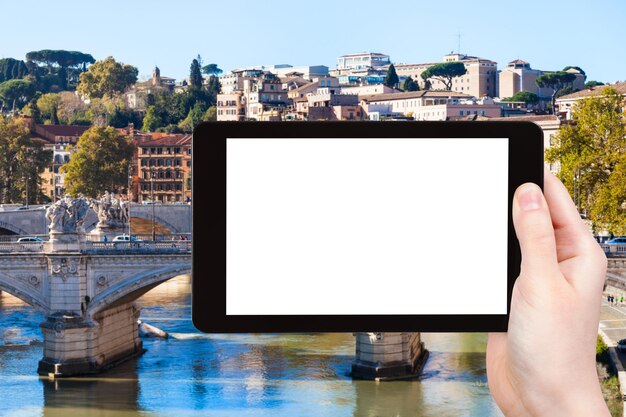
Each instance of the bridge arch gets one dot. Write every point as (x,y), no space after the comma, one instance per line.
(12,229)
(133,287)
(8,287)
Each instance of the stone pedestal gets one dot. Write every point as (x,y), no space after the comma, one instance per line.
(110,232)
(388,356)
(65,242)
(75,346)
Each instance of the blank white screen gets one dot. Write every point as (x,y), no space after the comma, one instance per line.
(366,226)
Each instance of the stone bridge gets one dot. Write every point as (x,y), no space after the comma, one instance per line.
(87,292)
(32,221)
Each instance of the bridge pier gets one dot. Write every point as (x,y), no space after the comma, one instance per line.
(74,345)
(388,356)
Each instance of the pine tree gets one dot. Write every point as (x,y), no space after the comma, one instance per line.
(195,74)
(410,85)
(391,79)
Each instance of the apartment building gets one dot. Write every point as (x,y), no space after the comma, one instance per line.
(478,81)
(427,105)
(518,76)
(565,105)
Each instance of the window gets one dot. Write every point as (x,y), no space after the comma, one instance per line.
(168,174)
(168,162)
(159,151)
(152,150)
(160,162)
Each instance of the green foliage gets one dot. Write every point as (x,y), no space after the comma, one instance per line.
(210,115)
(565,91)
(21,162)
(151,120)
(593,83)
(31,110)
(211,69)
(193,119)
(602,352)
(66,65)
(573,67)
(525,96)
(49,106)
(11,69)
(16,93)
(444,72)
(195,75)
(105,78)
(555,80)
(99,163)
(410,85)
(391,79)
(592,156)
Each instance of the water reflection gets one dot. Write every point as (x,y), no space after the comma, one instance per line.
(193,374)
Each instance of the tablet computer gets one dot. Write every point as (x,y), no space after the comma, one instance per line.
(357,226)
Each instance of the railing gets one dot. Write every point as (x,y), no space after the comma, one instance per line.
(14,238)
(174,246)
(148,237)
(614,250)
(8,247)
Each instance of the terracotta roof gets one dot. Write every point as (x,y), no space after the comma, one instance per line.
(527,118)
(170,140)
(594,91)
(61,130)
(413,94)
(518,62)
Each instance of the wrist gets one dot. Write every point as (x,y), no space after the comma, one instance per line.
(577,402)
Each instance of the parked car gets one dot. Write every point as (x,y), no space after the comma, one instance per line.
(621,345)
(125,238)
(621,240)
(29,239)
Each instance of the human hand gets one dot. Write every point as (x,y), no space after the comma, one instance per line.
(545,364)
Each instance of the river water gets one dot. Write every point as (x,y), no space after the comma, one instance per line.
(192,374)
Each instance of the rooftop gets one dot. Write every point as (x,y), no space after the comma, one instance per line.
(170,140)
(413,94)
(594,91)
(61,130)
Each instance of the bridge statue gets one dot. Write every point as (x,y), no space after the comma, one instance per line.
(113,215)
(67,217)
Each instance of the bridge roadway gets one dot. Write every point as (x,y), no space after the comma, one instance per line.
(32,221)
(87,291)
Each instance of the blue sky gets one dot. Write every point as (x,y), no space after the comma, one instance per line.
(550,34)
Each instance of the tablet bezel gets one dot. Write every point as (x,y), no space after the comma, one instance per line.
(209,221)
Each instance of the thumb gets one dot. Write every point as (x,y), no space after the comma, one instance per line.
(535,232)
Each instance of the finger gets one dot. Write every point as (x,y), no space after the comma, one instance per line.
(533,226)
(573,237)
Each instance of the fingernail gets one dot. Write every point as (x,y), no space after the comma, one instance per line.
(530,198)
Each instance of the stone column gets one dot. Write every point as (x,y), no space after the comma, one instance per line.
(75,345)
(388,356)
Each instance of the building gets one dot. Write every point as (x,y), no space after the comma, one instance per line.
(326,103)
(58,139)
(427,105)
(164,169)
(519,76)
(253,95)
(305,71)
(350,62)
(565,104)
(479,80)
(136,96)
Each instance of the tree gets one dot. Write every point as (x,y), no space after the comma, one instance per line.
(151,120)
(67,65)
(193,119)
(592,157)
(410,85)
(391,79)
(565,91)
(210,115)
(16,93)
(444,72)
(195,75)
(99,162)
(593,83)
(212,69)
(11,69)
(21,162)
(555,81)
(31,110)
(569,67)
(72,110)
(49,106)
(213,88)
(525,96)
(105,78)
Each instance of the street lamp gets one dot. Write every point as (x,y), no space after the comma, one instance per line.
(130,184)
(152,201)
(27,181)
